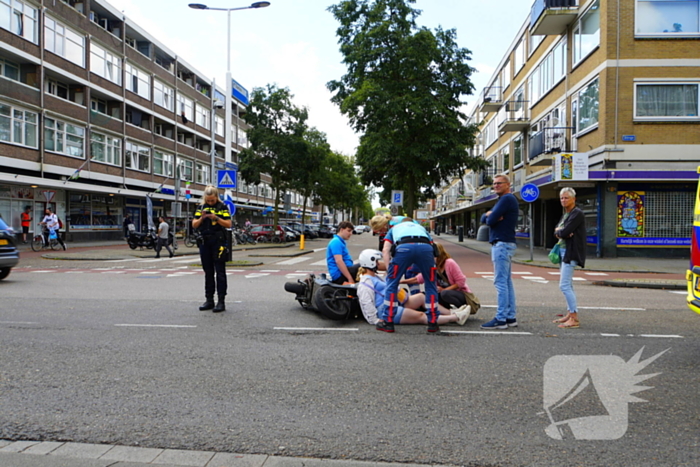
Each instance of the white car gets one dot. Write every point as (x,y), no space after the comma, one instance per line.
(360,229)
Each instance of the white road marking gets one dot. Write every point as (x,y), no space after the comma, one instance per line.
(18,322)
(486,273)
(314,329)
(679,292)
(513,333)
(609,335)
(300,259)
(316,250)
(74,272)
(155,326)
(184,260)
(554,273)
(672,336)
(180,274)
(534,278)
(118,260)
(521,272)
(151,272)
(318,263)
(579,278)
(40,271)
(256,274)
(596,274)
(103,269)
(113,272)
(611,308)
(269,270)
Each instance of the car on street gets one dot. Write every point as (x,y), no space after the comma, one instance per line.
(265,233)
(9,254)
(308,232)
(325,231)
(693,272)
(359,229)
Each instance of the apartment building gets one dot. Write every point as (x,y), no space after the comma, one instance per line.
(96,115)
(601,96)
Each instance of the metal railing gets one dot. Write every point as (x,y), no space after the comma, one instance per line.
(541,5)
(492,94)
(550,140)
(513,111)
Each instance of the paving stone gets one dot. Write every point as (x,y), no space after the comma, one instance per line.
(186,458)
(4,442)
(131,454)
(43,448)
(225,459)
(82,450)
(18,446)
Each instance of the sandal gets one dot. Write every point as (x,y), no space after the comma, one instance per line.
(569,325)
(561,320)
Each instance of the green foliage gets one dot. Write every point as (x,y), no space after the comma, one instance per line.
(402,91)
(276,140)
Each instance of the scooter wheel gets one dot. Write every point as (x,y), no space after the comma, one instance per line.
(133,245)
(331,303)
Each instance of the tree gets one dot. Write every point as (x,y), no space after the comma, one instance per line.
(276,140)
(308,171)
(340,187)
(402,92)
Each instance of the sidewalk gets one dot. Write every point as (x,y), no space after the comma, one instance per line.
(675,266)
(55,454)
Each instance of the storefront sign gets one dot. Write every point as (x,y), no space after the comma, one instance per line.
(570,166)
(630,214)
(653,242)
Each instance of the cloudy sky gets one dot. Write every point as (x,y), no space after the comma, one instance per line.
(293,44)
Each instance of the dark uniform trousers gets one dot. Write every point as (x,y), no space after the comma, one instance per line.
(213,262)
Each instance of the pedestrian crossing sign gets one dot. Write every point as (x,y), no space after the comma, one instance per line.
(227,178)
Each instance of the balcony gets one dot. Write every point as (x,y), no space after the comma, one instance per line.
(552,17)
(513,116)
(492,99)
(547,142)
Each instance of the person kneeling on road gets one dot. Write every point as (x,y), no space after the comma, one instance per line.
(371,290)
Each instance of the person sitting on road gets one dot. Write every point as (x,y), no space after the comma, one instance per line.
(451,283)
(340,265)
(371,290)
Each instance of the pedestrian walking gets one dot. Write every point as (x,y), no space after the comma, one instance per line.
(571,232)
(502,220)
(26,221)
(162,239)
(405,244)
(127,221)
(212,218)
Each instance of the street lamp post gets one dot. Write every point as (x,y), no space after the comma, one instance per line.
(229,89)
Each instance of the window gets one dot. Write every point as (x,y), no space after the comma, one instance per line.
(64,138)
(98,105)
(505,156)
(587,33)
(505,75)
(163,95)
(490,133)
(106,149)
(666,101)
(548,73)
(668,17)
(18,126)
(64,42)
(138,157)
(202,174)
(202,117)
(219,122)
(535,42)
(105,64)
(9,69)
(242,138)
(185,106)
(138,82)
(587,107)
(56,88)
(20,18)
(519,58)
(163,164)
(517,151)
(186,168)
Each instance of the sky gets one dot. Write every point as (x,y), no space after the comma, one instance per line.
(292,43)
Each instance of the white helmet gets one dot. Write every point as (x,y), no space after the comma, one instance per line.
(369,258)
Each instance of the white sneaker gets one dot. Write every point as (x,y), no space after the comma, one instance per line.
(462,314)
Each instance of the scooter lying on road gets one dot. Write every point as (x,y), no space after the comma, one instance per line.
(336,302)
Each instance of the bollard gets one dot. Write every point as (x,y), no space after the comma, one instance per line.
(460,233)
(301,242)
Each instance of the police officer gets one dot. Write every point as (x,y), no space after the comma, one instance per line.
(211,219)
(406,244)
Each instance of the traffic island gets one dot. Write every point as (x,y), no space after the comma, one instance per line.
(645,284)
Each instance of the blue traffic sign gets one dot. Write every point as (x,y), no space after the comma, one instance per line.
(529,192)
(227,178)
(230,205)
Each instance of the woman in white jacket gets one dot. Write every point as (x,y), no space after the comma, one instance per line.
(370,292)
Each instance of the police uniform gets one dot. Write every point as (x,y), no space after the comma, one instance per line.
(212,251)
(411,245)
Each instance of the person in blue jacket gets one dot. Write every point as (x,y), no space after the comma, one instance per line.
(405,244)
(502,220)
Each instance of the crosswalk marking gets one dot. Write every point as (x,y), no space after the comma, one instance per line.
(534,278)
(38,272)
(318,263)
(294,260)
(256,274)
(514,272)
(596,273)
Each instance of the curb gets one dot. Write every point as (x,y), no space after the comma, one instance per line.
(642,285)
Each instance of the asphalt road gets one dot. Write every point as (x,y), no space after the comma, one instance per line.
(118,353)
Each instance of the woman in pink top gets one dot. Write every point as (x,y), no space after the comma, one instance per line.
(451,283)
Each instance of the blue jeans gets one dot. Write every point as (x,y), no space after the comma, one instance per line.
(501,254)
(421,256)
(566,283)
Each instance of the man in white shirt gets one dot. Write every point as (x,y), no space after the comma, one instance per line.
(163,229)
(51,222)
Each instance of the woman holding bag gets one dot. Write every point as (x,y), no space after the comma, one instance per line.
(571,232)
